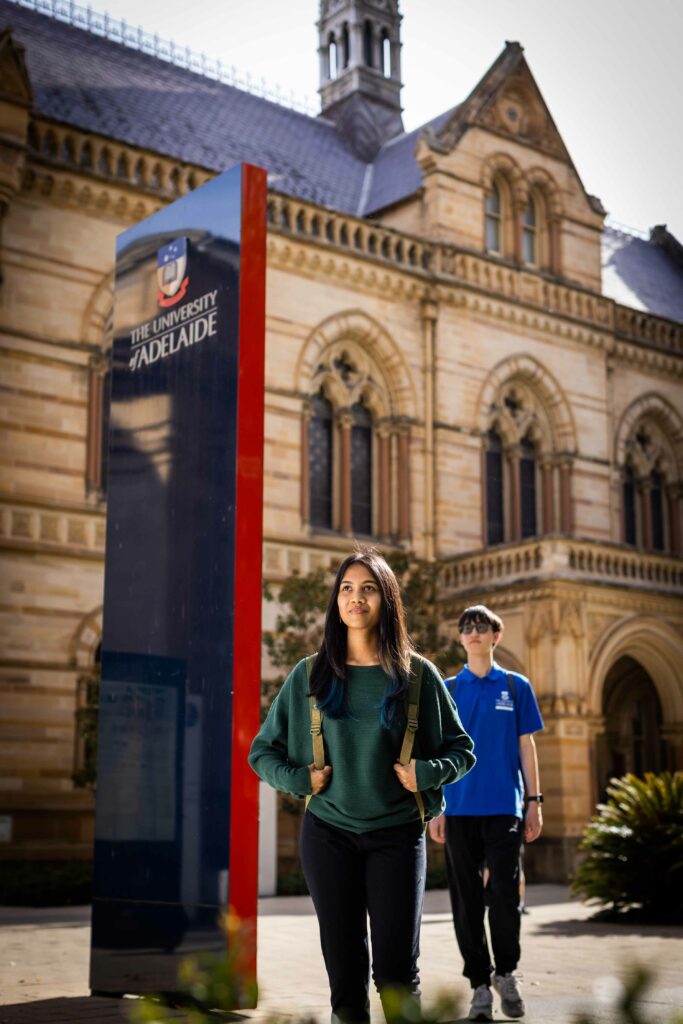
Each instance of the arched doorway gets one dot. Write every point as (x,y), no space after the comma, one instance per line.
(632,740)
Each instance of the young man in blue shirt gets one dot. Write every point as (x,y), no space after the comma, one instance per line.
(490,812)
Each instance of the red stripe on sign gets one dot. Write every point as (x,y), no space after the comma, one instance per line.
(248,542)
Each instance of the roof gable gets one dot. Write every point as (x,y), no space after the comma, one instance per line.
(506,100)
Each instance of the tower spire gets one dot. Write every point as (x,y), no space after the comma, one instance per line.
(360,71)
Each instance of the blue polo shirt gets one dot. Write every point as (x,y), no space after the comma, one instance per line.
(495,720)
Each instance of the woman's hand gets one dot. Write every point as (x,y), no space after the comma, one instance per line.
(406,775)
(320,778)
(437,829)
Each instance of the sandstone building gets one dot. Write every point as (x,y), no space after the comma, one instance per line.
(462,360)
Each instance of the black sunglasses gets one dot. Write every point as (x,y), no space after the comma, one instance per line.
(478,627)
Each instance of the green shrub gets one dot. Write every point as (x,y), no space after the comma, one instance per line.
(36,883)
(634,848)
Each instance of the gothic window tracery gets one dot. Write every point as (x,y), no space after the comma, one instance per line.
(493,219)
(354,471)
(526,479)
(650,488)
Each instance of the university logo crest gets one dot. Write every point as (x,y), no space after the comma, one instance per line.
(171,277)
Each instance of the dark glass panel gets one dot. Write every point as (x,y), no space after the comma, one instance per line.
(657,510)
(629,499)
(361,470)
(527,481)
(320,463)
(494,490)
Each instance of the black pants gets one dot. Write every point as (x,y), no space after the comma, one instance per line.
(380,874)
(471,842)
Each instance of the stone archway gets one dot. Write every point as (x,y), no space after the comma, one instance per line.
(648,652)
(632,741)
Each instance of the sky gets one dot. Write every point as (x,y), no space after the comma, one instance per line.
(611,73)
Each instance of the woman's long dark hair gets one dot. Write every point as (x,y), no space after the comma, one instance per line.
(328,676)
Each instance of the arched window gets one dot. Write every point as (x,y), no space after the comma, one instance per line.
(527,487)
(657,510)
(367,44)
(530,233)
(493,220)
(495,520)
(386,54)
(361,470)
(320,462)
(332,56)
(629,502)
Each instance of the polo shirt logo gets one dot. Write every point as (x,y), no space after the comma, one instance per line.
(505,702)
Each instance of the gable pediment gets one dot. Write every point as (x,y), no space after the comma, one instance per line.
(506,101)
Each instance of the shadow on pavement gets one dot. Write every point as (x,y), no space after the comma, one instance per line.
(85,1009)
(576,927)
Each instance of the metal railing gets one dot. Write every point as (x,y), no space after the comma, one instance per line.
(135,37)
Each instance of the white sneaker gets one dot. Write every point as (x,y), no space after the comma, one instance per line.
(482,1004)
(507,987)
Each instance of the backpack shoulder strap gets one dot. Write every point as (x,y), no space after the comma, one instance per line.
(413,709)
(316,725)
(316,721)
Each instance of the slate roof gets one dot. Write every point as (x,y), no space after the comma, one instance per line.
(641,274)
(95,84)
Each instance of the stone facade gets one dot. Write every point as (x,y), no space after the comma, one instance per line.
(444,342)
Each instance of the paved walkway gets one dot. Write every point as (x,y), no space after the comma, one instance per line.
(566,959)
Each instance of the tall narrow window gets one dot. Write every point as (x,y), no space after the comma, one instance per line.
(495,527)
(367,44)
(332,56)
(527,481)
(320,462)
(346,45)
(386,54)
(529,234)
(657,510)
(629,500)
(493,218)
(361,470)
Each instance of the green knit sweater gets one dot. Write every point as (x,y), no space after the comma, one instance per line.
(364,792)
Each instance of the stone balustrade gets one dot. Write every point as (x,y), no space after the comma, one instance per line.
(563,558)
(436,262)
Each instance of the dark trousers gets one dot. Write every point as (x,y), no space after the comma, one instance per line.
(472,842)
(380,874)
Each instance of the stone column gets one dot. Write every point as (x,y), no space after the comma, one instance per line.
(384,438)
(396,60)
(554,245)
(404,482)
(305,497)
(518,208)
(345,422)
(548,496)
(430,313)
(645,512)
(515,506)
(566,517)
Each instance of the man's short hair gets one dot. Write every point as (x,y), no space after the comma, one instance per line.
(480,613)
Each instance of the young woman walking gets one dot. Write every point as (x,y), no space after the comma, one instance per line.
(362,839)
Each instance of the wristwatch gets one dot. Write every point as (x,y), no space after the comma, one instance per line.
(538,798)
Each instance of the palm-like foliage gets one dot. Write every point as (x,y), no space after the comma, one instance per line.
(634,848)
